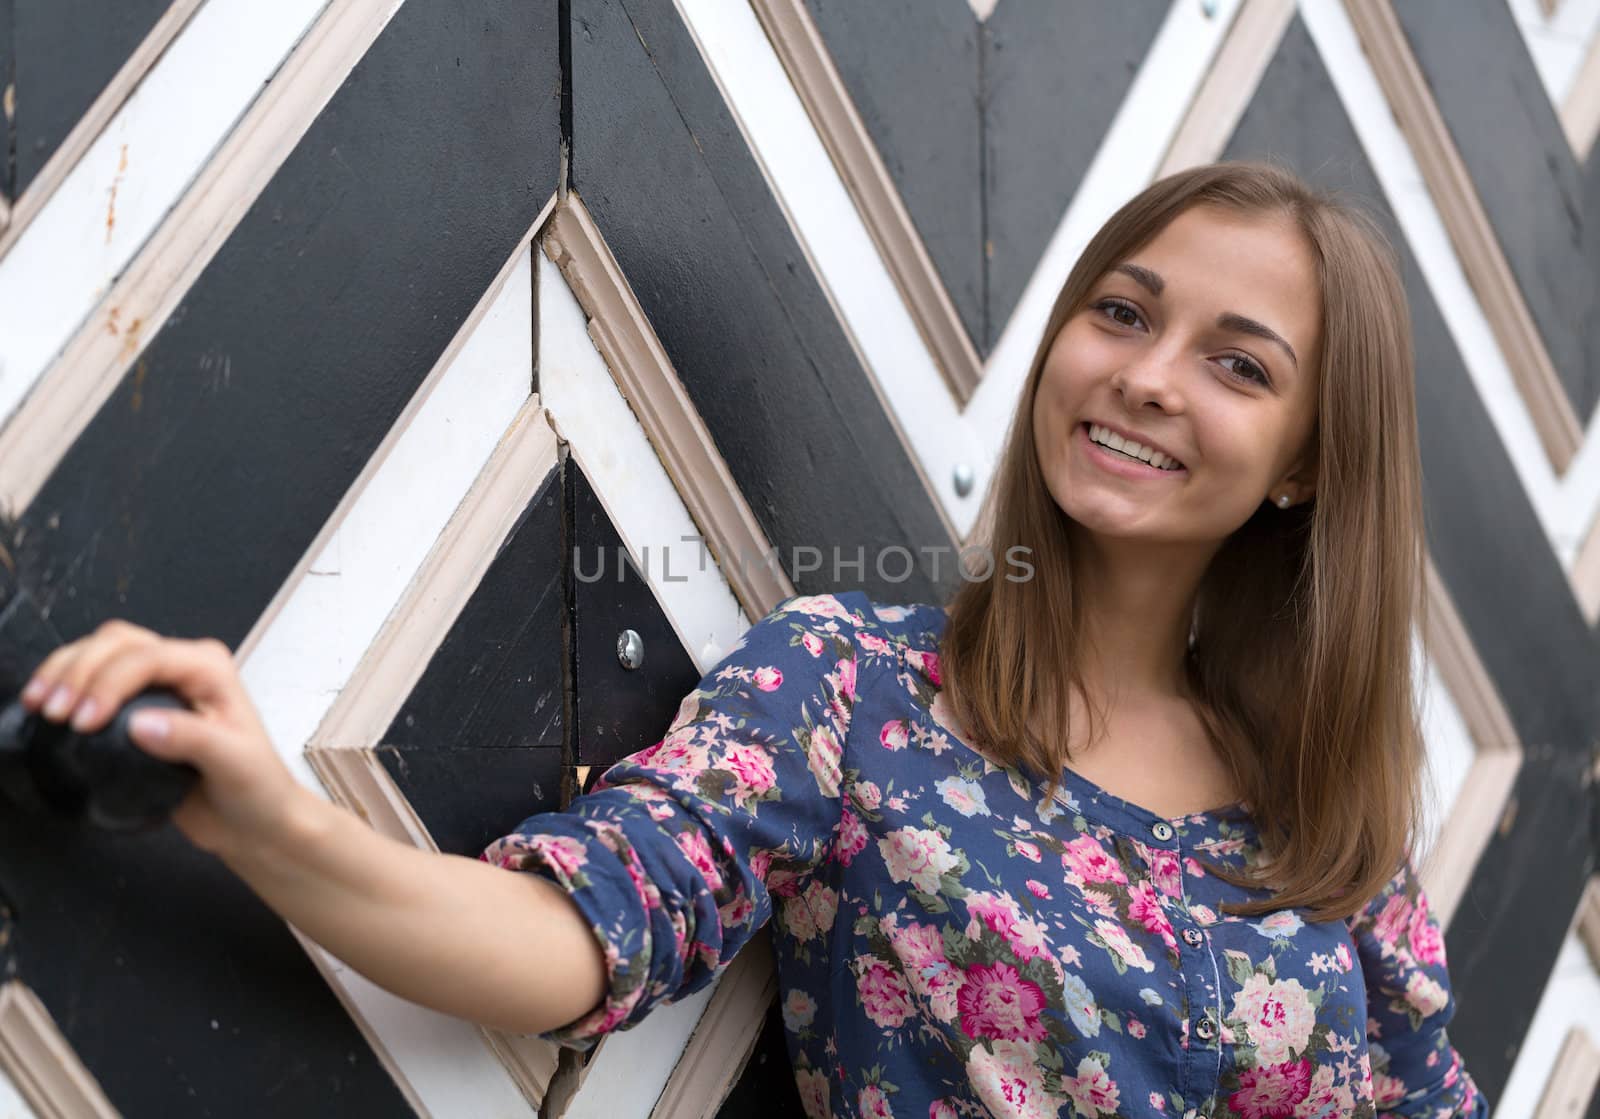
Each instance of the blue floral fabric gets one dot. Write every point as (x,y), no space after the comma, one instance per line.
(951,943)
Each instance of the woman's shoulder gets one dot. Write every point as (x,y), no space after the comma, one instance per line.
(918,624)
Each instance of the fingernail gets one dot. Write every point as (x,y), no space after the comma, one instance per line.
(60,703)
(84,715)
(34,691)
(151,726)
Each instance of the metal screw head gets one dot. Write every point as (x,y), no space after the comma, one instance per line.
(1208,8)
(962,479)
(630,649)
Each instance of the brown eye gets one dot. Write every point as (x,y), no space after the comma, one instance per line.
(1114,309)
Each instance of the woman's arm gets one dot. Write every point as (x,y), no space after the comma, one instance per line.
(448,932)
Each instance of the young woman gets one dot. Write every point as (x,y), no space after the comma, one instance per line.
(1127,834)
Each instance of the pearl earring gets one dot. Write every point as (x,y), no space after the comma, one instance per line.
(1283,501)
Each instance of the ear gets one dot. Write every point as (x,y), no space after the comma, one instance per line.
(1300,482)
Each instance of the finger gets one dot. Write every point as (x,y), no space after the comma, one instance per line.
(175,736)
(63,675)
(201,672)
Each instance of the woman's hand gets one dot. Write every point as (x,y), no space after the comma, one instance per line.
(244,789)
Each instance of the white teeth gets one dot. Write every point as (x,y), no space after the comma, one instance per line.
(1108,438)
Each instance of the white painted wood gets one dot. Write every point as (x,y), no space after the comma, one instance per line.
(133,173)
(1172,73)
(300,662)
(1451,751)
(1571,998)
(1565,505)
(628,1072)
(1557,43)
(12,1105)
(577,389)
(840,249)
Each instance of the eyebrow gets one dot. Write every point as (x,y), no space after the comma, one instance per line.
(1228,320)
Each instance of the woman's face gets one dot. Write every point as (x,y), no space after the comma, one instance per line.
(1203,346)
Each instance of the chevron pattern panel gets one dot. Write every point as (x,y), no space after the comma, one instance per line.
(431,354)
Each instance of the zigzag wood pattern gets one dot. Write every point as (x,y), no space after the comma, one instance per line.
(1542,202)
(58,55)
(1511,593)
(197,489)
(968,117)
(665,172)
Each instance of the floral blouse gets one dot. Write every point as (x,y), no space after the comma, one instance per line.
(951,943)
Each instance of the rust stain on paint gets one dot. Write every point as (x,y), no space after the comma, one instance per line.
(111,207)
(139,372)
(130,340)
(10,100)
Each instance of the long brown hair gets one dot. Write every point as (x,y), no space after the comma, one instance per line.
(1301,663)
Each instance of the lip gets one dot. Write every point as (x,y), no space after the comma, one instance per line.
(1119,464)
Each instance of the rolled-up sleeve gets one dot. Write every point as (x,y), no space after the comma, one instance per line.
(674,856)
(1416,1072)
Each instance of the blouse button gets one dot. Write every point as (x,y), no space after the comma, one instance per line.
(1162,831)
(1206,1029)
(1192,937)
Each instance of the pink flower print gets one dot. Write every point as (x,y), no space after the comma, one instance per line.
(659,812)
(697,850)
(1387,1090)
(872,643)
(1341,952)
(1117,940)
(822,755)
(1324,1100)
(918,856)
(1101,902)
(819,606)
(996,1001)
(1027,850)
(1202,914)
(1271,1091)
(867,794)
(1165,874)
(1070,956)
(882,993)
(966,797)
(767,678)
(894,735)
(566,855)
(920,949)
(799,1009)
(1135,1028)
(1391,924)
(736,912)
(927,664)
(942,1109)
(1038,889)
(751,767)
(852,838)
(811,643)
(873,1104)
(1008,1081)
(1157,1102)
(1087,858)
(1144,907)
(1427,945)
(897,803)
(1092,1092)
(1193,868)
(813,1085)
(846,671)
(1278,1016)
(997,912)
(1426,995)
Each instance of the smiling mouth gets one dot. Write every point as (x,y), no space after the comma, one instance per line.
(1108,440)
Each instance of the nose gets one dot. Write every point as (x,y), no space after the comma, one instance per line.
(1153,380)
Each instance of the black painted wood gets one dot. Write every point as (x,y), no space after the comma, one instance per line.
(766,1088)
(66,53)
(478,744)
(619,711)
(1054,76)
(987,128)
(234,435)
(496,680)
(199,485)
(1543,204)
(1511,593)
(912,69)
(684,207)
